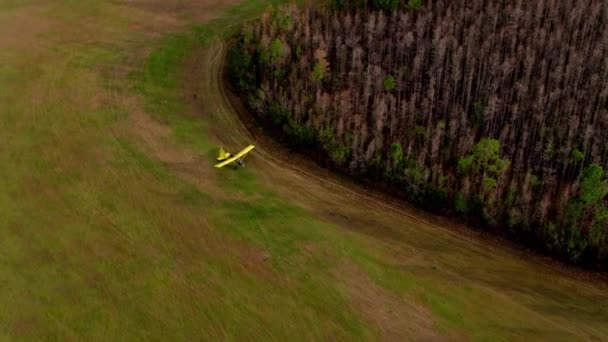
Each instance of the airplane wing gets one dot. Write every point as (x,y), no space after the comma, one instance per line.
(235,157)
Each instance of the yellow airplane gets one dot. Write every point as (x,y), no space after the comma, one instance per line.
(226,158)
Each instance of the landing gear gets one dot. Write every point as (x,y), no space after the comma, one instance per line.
(240,162)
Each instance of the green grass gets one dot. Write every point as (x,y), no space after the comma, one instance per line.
(101,240)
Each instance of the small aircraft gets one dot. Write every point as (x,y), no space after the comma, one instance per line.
(238,159)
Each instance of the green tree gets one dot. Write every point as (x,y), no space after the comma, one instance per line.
(318,72)
(389,83)
(276,51)
(593,185)
(577,155)
(585,206)
(337,151)
(489,183)
(414,4)
(396,168)
(534,181)
(465,164)
(598,230)
(485,159)
(396,153)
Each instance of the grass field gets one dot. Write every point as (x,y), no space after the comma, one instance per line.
(115,226)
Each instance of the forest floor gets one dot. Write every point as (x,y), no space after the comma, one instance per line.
(114,225)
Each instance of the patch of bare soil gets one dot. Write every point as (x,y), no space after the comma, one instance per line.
(395,319)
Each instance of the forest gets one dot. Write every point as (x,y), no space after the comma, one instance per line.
(493,111)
